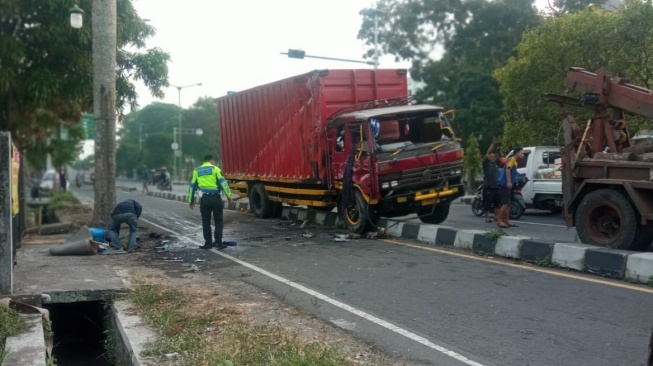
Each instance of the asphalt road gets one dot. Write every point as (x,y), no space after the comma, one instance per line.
(443,303)
(536,224)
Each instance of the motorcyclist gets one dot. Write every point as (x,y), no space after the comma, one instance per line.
(164,179)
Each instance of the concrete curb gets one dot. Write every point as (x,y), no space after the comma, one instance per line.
(28,347)
(613,263)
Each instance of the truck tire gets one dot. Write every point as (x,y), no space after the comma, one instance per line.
(437,215)
(259,202)
(606,218)
(477,207)
(358,218)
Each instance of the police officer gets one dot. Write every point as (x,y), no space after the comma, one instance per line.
(208,179)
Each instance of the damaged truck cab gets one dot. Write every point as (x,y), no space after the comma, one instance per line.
(345,139)
(399,160)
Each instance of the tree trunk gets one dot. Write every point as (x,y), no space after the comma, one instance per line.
(104,108)
(641,148)
(629,156)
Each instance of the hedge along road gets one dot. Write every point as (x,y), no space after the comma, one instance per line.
(486,312)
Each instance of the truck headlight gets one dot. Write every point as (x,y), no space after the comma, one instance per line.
(385,185)
(394,183)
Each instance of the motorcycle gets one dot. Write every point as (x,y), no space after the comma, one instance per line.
(164,185)
(79,181)
(517,204)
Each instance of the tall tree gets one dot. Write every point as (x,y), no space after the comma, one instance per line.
(146,135)
(621,41)
(476,36)
(46,72)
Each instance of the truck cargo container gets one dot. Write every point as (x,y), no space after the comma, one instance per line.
(340,138)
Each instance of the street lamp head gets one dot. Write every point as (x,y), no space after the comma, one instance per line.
(76,14)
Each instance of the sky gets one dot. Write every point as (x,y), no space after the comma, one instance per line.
(232,45)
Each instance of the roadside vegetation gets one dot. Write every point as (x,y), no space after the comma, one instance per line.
(193,333)
(10,324)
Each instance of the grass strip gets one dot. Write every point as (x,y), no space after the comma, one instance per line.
(217,336)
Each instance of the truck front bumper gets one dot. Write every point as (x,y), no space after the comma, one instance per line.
(412,201)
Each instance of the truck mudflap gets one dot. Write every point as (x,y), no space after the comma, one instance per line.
(414,200)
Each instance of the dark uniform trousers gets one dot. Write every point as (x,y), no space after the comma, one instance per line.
(211,204)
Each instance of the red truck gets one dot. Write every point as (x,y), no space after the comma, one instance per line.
(341,138)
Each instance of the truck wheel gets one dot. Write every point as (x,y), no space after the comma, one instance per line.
(435,215)
(606,218)
(259,202)
(477,207)
(516,211)
(358,218)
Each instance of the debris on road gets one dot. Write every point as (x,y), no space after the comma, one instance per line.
(199,260)
(162,248)
(341,237)
(305,225)
(308,235)
(192,268)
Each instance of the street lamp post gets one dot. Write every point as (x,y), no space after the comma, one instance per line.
(375,13)
(175,135)
(300,54)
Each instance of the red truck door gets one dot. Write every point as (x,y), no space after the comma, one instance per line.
(347,142)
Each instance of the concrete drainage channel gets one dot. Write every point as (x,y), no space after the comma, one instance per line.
(89,330)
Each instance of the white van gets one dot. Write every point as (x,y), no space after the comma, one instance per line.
(544,188)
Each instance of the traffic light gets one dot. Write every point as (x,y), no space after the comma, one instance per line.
(296,53)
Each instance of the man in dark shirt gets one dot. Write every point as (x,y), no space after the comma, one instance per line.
(126,212)
(491,198)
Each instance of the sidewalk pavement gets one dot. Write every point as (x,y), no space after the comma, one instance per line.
(613,263)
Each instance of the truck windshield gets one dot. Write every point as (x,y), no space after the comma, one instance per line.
(400,132)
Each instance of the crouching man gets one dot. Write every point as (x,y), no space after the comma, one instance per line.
(126,212)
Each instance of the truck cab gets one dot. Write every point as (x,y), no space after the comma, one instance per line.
(544,188)
(393,161)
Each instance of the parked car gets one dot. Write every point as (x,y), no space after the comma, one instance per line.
(50,181)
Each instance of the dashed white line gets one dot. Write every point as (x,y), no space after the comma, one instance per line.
(341,305)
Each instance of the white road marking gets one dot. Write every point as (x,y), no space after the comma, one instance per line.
(359,313)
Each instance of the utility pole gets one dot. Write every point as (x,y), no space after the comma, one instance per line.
(376,40)
(104,17)
(181,154)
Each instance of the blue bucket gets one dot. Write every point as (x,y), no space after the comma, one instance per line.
(98,234)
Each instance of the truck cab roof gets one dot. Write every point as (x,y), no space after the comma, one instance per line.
(382,112)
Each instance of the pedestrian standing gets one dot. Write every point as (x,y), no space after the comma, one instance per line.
(126,212)
(209,180)
(506,181)
(491,197)
(62,179)
(145,177)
